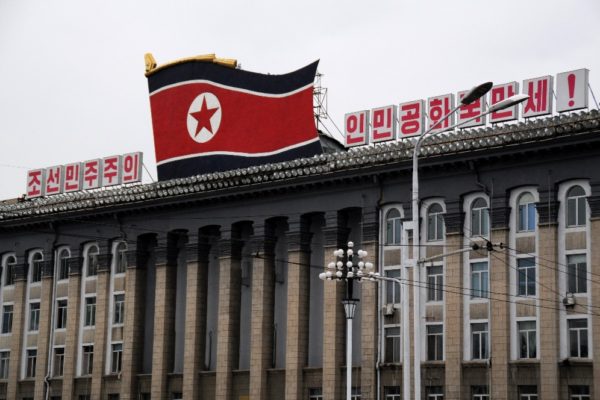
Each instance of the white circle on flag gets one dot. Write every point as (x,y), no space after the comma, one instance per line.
(204,117)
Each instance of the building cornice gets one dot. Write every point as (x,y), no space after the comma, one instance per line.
(351,164)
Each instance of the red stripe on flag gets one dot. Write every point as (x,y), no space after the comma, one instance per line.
(249,123)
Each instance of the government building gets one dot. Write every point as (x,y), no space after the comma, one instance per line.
(207,287)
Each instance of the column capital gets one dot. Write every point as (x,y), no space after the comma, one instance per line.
(20,272)
(104,260)
(230,247)
(547,211)
(48,269)
(335,231)
(370,225)
(499,212)
(454,221)
(594,203)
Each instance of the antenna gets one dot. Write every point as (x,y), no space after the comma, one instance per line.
(319,100)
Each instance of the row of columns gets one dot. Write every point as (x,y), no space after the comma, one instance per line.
(229,246)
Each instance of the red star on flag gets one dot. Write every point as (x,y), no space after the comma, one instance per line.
(203,117)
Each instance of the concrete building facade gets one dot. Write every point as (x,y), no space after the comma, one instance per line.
(207,287)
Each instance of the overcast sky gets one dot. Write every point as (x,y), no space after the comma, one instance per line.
(72,84)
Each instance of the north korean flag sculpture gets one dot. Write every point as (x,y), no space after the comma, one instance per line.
(209,116)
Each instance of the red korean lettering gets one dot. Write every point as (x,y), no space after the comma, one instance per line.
(110,171)
(90,173)
(411,118)
(130,167)
(34,183)
(72,174)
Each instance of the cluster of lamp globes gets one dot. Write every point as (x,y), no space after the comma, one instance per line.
(336,270)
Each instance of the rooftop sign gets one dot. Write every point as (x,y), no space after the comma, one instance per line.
(408,119)
(91,174)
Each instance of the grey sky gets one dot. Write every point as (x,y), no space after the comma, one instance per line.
(72,83)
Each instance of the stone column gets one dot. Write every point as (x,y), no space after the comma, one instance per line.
(164,314)
(18,327)
(454,313)
(100,333)
(368,303)
(500,318)
(334,319)
(296,355)
(197,255)
(73,311)
(263,288)
(133,329)
(46,305)
(548,294)
(228,326)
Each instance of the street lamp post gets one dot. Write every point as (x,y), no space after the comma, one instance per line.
(344,269)
(474,94)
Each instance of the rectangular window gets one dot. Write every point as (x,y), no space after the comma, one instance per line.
(435,342)
(576,211)
(121,265)
(177,396)
(4,364)
(435,283)
(36,271)
(59,362)
(392,289)
(526,276)
(90,311)
(113,396)
(34,317)
(527,339)
(479,341)
(392,393)
(480,393)
(116,357)
(119,309)
(526,217)
(577,273)
(31,363)
(87,360)
(435,393)
(63,268)
(578,338)
(92,265)
(479,280)
(579,392)
(392,344)
(7,318)
(528,393)
(315,394)
(61,314)
(355,393)
(9,275)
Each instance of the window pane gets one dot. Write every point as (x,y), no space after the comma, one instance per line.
(581,277)
(522,218)
(581,211)
(571,212)
(475,223)
(531,217)
(389,232)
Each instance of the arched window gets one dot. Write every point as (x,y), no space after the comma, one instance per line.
(480,218)
(9,270)
(435,222)
(121,258)
(63,263)
(92,261)
(393,227)
(526,215)
(576,207)
(37,261)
